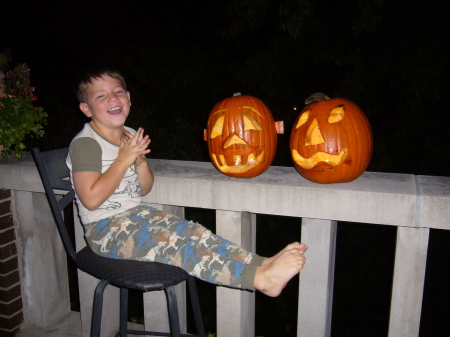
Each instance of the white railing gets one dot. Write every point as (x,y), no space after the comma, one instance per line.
(414,204)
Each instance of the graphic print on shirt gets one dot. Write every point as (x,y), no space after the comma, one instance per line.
(129,186)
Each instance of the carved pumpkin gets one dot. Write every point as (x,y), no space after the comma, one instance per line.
(331,140)
(241,136)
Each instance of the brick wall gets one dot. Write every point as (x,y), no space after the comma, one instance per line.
(11,313)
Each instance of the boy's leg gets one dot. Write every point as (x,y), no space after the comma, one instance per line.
(202,253)
(206,240)
(150,235)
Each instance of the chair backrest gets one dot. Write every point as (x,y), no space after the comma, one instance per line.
(54,175)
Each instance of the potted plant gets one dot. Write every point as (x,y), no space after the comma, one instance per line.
(18,115)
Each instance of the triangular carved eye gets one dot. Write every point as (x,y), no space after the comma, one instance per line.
(313,135)
(218,127)
(250,123)
(302,120)
(336,115)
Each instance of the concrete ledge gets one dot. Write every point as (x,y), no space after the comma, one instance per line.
(379,198)
(434,194)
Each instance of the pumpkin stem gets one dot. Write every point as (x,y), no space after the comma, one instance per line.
(237,94)
(317,97)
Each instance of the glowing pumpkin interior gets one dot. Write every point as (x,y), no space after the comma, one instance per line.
(315,137)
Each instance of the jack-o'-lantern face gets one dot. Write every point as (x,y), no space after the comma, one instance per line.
(331,141)
(241,136)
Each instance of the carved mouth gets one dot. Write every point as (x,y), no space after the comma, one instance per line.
(319,157)
(251,161)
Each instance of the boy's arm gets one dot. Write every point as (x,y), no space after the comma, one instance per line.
(143,170)
(145,175)
(94,188)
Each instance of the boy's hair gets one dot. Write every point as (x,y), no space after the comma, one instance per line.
(89,76)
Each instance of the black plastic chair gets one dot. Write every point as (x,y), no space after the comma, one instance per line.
(126,274)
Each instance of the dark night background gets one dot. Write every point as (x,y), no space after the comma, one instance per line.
(181,57)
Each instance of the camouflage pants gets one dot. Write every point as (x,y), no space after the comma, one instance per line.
(146,234)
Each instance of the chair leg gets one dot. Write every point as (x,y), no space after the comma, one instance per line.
(123,312)
(172,308)
(97,308)
(196,307)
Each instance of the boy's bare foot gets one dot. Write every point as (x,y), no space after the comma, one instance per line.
(301,247)
(271,278)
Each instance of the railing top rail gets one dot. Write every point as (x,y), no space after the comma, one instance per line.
(375,197)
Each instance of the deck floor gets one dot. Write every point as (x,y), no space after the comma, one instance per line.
(69,327)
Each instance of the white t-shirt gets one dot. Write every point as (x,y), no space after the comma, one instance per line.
(90,151)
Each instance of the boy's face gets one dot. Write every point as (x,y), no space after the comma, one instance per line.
(108,104)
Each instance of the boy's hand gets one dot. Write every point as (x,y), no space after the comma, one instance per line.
(133,148)
(137,144)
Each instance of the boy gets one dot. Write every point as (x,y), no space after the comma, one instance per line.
(110,174)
